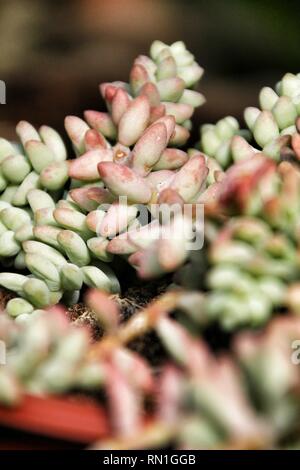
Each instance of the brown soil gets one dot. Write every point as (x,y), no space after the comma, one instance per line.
(134,298)
(5,296)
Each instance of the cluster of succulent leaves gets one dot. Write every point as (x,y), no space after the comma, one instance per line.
(62,222)
(246,399)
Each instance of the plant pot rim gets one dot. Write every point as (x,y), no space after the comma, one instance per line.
(70,418)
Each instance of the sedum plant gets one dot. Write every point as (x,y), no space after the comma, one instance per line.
(218,142)
(237,402)
(74,216)
(63,220)
(47,354)
(248,399)
(201,400)
(270,127)
(254,256)
(251,268)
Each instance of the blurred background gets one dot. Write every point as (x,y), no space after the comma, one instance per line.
(54,53)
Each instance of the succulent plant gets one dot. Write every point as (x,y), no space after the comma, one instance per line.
(247,400)
(47,354)
(131,191)
(218,141)
(251,269)
(271,127)
(280,109)
(253,255)
(223,402)
(149,116)
(61,220)
(33,174)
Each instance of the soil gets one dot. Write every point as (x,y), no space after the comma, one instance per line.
(133,299)
(5,296)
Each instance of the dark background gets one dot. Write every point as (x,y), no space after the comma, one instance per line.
(54,53)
